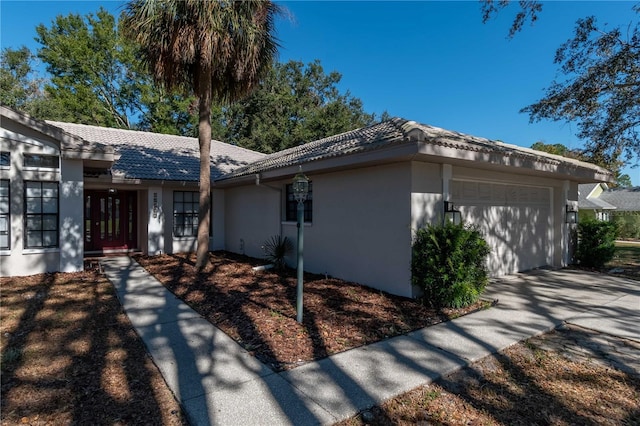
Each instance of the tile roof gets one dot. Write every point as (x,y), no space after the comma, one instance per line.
(624,199)
(69,142)
(393,132)
(146,155)
(359,140)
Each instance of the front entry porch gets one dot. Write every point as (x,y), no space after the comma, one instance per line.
(110,221)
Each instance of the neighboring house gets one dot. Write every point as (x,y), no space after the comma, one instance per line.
(599,201)
(590,203)
(371,189)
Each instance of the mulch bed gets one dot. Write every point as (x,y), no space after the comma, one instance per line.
(258,310)
(71,356)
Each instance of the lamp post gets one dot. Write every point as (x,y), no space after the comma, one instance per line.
(300,191)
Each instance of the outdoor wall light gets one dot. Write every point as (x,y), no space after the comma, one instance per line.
(571,214)
(451,214)
(300,192)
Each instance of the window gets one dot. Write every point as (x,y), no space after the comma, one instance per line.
(38,160)
(5,218)
(41,214)
(185,213)
(292,205)
(5,159)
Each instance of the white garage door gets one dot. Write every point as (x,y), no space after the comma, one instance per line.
(515,221)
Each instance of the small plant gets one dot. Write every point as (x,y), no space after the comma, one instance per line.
(596,243)
(276,249)
(431,395)
(449,264)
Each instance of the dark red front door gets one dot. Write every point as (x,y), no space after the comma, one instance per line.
(109,220)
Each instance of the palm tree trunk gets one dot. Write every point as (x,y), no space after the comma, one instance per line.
(204,139)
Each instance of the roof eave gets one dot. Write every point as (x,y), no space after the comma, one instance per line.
(388,154)
(571,170)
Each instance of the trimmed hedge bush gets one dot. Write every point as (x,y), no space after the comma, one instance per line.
(449,264)
(596,243)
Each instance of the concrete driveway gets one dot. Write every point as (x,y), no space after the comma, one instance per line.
(604,303)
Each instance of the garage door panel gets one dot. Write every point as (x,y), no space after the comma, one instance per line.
(514,220)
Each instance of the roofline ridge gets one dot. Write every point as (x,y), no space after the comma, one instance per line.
(146,132)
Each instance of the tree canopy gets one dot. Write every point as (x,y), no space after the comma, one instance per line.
(621,179)
(600,89)
(528,11)
(19,88)
(599,83)
(294,104)
(93,80)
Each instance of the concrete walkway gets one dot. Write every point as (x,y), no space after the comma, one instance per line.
(218,382)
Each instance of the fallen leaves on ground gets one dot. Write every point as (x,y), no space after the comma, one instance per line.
(532,382)
(71,356)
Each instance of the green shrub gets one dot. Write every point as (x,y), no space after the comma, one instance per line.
(276,249)
(596,243)
(449,264)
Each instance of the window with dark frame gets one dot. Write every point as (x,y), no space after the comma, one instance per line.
(185,213)
(41,214)
(5,159)
(291,207)
(5,215)
(40,160)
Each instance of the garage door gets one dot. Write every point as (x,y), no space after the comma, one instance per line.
(515,221)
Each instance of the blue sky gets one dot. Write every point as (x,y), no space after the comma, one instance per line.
(432,62)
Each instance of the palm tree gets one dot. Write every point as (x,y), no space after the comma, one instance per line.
(215,49)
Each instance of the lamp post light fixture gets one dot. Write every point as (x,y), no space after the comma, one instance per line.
(300,192)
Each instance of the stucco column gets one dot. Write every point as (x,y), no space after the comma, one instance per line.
(447,175)
(71,199)
(155,221)
(217,220)
(569,230)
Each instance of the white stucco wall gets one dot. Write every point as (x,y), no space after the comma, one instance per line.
(71,216)
(361,229)
(426,194)
(251,216)
(18,261)
(155,221)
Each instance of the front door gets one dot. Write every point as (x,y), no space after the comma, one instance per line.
(109,220)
